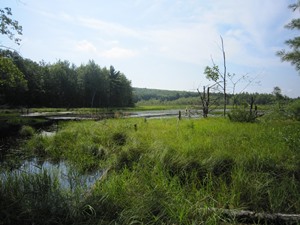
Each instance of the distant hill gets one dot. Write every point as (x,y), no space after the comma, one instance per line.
(145,94)
(191,98)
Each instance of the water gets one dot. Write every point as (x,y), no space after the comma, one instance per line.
(137,114)
(68,177)
(47,133)
(165,114)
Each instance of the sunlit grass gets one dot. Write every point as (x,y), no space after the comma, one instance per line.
(170,171)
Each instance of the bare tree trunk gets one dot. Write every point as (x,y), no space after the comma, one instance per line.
(204,100)
(224,76)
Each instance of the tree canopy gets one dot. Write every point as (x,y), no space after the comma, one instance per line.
(292,56)
(9,26)
(61,84)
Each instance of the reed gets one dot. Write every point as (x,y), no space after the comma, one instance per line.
(164,171)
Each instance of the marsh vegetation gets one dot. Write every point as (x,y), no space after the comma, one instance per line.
(161,171)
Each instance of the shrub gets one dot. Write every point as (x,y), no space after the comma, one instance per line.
(119,138)
(95,151)
(223,166)
(294,110)
(240,115)
(26,131)
(127,158)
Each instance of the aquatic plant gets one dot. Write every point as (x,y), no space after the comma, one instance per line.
(169,171)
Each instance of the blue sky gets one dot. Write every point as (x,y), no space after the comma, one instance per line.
(163,44)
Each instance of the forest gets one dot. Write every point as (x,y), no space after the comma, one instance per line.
(25,83)
(148,96)
(29,84)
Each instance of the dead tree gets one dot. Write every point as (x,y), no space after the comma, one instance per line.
(250,217)
(224,76)
(213,73)
(204,100)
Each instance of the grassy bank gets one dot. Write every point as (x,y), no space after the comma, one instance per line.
(160,171)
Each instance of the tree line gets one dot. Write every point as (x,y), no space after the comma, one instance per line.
(192,98)
(145,94)
(62,84)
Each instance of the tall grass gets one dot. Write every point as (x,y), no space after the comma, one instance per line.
(169,171)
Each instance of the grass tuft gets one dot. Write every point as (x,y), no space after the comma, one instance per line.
(26,131)
(165,172)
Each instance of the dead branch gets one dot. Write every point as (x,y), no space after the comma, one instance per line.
(242,216)
(250,217)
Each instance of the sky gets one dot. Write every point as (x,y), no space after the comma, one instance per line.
(163,44)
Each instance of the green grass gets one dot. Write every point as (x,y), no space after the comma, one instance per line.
(169,171)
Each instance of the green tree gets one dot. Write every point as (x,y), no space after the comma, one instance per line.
(60,84)
(12,81)
(280,99)
(277,93)
(8,26)
(292,56)
(32,74)
(93,84)
(125,98)
(114,87)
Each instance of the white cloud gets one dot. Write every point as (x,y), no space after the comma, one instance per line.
(85,46)
(118,53)
(107,27)
(112,53)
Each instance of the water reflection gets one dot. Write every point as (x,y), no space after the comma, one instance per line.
(47,133)
(68,176)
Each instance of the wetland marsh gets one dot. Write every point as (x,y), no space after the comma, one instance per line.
(165,171)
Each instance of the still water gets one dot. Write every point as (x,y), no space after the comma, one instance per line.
(68,177)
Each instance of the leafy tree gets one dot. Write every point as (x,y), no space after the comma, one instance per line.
(27,83)
(125,97)
(93,84)
(11,77)
(114,86)
(292,56)
(62,83)
(277,93)
(8,26)
(32,74)
(11,81)
(294,109)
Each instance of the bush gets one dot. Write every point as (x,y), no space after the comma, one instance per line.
(27,131)
(127,158)
(96,151)
(119,138)
(294,110)
(239,115)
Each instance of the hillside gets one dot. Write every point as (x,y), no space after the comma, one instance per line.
(158,94)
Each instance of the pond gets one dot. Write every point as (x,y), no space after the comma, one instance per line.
(55,116)
(165,113)
(68,177)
